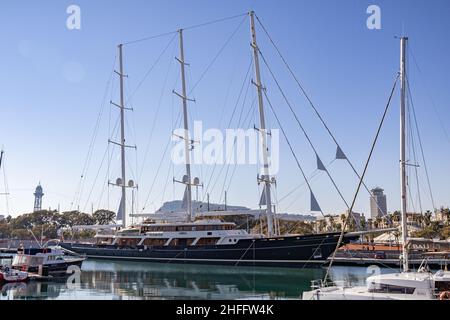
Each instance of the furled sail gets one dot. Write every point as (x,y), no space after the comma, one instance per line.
(120,211)
(263,200)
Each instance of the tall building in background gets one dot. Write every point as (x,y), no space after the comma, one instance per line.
(378,206)
(38,198)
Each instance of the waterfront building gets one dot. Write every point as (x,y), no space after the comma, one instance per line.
(335,222)
(378,206)
(442,215)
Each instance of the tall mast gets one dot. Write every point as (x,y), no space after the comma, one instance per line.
(122,138)
(183,96)
(403,41)
(121,182)
(262,130)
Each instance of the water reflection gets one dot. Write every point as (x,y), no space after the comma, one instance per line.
(134,280)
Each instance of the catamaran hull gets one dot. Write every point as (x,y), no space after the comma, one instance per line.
(289,251)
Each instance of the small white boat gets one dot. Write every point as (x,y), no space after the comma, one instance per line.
(8,274)
(421,285)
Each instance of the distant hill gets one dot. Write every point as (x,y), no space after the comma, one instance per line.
(199,206)
(295,217)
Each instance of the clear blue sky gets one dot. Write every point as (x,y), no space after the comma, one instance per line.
(53,85)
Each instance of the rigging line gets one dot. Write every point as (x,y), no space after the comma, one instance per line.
(151,68)
(289,144)
(217,55)
(187,28)
(301,126)
(235,165)
(93,138)
(163,195)
(158,170)
(105,183)
(95,180)
(150,37)
(300,188)
(98,173)
(215,21)
(5,185)
(110,155)
(341,236)
(311,103)
(411,202)
(222,167)
(420,142)
(413,149)
(232,116)
(447,135)
(229,124)
(234,142)
(312,175)
(158,109)
(159,167)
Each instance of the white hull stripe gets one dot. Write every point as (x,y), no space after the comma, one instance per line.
(219,260)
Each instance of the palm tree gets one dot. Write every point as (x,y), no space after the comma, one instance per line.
(427,218)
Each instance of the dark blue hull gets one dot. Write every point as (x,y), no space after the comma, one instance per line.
(288,251)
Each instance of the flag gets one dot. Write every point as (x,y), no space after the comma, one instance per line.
(314,204)
(320,165)
(340,154)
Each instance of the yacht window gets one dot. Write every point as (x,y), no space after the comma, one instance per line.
(392,289)
(209,233)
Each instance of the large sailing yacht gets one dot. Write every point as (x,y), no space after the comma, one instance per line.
(209,241)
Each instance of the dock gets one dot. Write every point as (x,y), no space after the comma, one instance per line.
(434,264)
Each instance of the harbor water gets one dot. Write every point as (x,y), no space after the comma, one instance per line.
(111,280)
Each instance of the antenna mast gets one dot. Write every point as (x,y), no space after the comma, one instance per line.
(403,41)
(262,130)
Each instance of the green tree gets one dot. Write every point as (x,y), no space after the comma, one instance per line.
(104,217)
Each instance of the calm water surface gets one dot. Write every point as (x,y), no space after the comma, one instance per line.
(111,280)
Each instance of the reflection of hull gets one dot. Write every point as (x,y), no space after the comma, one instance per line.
(289,251)
(176,281)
